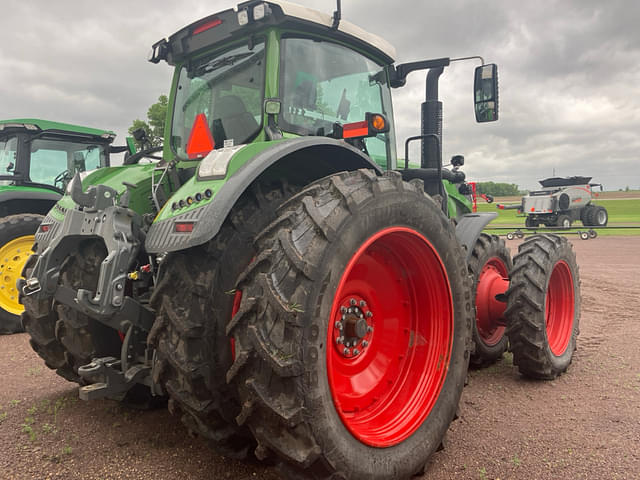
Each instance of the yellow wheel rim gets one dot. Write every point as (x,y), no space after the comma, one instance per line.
(13,256)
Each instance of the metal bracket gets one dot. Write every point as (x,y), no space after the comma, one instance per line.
(115,383)
(130,313)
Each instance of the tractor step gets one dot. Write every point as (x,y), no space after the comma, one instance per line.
(115,383)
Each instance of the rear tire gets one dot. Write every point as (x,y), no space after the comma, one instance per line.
(194,299)
(600,217)
(64,338)
(17,234)
(336,241)
(543,306)
(489,257)
(529,222)
(563,221)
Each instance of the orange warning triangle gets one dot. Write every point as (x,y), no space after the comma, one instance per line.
(200,139)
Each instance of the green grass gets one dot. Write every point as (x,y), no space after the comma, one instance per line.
(624,211)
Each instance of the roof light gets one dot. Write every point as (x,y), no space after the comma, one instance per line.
(214,22)
(260,11)
(243,17)
(28,126)
(183,227)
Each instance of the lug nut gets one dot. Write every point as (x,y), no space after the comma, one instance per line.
(346,351)
(343,309)
(339,340)
(369,329)
(356,351)
(369,314)
(352,301)
(365,344)
(363,303)
(339,325)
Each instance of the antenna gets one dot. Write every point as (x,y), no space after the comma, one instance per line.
(337,15)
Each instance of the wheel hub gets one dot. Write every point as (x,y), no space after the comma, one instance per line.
(353,330)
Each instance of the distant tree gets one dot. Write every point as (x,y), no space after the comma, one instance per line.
(626,188)
(498,189)
(154,128)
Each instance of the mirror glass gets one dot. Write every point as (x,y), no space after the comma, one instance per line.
(486,93)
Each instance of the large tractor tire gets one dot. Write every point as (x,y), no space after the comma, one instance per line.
(489,265)
(17,234)
(543,306)
(353,336)
(64,338)
(194,301)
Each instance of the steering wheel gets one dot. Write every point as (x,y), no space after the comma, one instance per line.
(62,178)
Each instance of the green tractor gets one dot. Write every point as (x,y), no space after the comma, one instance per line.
(290,288)
(37,160)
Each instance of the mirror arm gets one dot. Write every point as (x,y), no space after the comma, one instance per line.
(398,74)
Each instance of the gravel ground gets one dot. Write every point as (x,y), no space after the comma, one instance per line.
(585,424)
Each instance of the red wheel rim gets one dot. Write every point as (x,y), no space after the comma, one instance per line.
(492,280)
(560,308)
(390,337)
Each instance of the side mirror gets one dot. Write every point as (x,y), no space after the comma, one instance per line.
(457,160)
(485,88)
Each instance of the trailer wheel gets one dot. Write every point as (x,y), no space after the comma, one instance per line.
(600,217)
(353,335)
(17,234)
(563,221)
(195,298)
(543,306)
(489,264)
(585,215)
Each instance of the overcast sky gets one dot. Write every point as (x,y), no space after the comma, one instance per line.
(569,74)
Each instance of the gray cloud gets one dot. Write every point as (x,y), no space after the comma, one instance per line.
(569,74)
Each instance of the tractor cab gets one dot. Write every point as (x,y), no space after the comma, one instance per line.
(47,154)
(270,70)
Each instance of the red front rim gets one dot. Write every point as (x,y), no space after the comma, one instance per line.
(492,280)
(560,308)
(390,337)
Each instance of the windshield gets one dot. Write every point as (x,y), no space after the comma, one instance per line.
(8,148)
(221,94)
(323,83)
(55,161)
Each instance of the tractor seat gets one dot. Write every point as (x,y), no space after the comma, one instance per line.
(237,122)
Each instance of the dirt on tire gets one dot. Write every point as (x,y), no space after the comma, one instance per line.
(583,425)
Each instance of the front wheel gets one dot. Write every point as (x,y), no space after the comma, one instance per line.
(353,335)
(17,234)
(543,306)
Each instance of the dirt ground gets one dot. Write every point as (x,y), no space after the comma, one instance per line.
(585,424)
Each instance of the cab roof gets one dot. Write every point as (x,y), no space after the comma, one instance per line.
(224,26)
(35,124)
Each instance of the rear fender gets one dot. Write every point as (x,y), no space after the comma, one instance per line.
(298,161)
(470,226)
